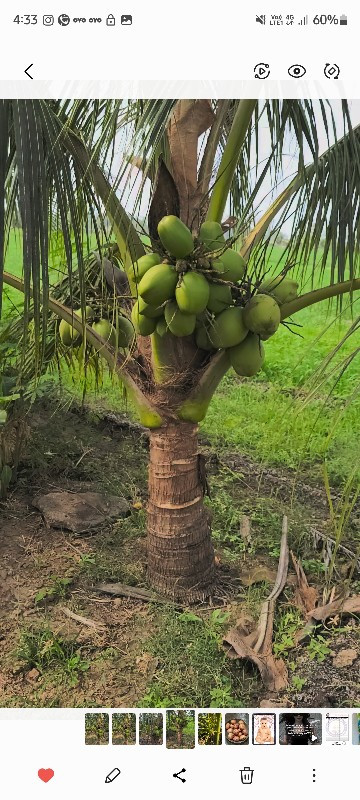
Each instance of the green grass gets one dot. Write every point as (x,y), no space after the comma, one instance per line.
(269,418)
(51,655)
(193,669)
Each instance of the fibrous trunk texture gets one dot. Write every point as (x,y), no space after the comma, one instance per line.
(180,552)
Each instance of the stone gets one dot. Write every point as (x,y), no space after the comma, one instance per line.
(344,658)
(80,511)
(33,675)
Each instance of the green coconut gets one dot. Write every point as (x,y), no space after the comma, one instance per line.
(125,331)
(201,319)
(211,235)
(105,329)
(158,284)
(218,265)
(193,293)
(144,326)
(143,264)
(219,297)
(202,338)
(282,288)
(262,315)
(248,356)
(232,265)
(175,236)
(89,313)
(3,416)
(161,327)
(179,324)
(228,328)
(148,310)
(69,335)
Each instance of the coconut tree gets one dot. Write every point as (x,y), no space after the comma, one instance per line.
(181,723)
(203,162)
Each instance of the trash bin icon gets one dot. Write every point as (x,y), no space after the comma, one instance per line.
(246,775)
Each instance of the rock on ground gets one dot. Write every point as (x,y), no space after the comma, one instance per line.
(79,512)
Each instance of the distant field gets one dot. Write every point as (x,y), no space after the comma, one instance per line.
(13,264)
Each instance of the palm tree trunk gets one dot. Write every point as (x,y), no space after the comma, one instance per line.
(180,551)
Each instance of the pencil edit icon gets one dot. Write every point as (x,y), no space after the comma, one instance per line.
(112,775)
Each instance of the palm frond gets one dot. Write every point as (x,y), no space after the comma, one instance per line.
(320,205)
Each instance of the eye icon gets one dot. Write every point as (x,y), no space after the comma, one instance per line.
(297,71)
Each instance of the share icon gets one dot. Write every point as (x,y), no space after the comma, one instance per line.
(178,774)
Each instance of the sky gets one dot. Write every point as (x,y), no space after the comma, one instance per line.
(268,192)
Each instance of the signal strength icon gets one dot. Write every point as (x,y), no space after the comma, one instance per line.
(304,20)
(260,18)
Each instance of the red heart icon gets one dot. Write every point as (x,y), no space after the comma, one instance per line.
(46,774)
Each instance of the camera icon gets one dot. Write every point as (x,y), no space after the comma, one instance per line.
(48,19)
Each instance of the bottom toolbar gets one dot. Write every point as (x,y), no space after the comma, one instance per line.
(157,750)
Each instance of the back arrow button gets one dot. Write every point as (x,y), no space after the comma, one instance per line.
(27,71)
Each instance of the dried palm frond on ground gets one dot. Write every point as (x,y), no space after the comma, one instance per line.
(257,645)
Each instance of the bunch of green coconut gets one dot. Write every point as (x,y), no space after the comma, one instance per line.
(119,337)
(197,289)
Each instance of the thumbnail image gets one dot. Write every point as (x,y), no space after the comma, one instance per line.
(236,728)
(209,728)
(300,728)
(264,729)
(355,729)
(123,729)
(151,728)
(179,277)
(180,730)
(97,728)
(337,728)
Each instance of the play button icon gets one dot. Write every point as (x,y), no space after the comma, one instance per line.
(262,71)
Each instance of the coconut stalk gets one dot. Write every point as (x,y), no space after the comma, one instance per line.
(230,158)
